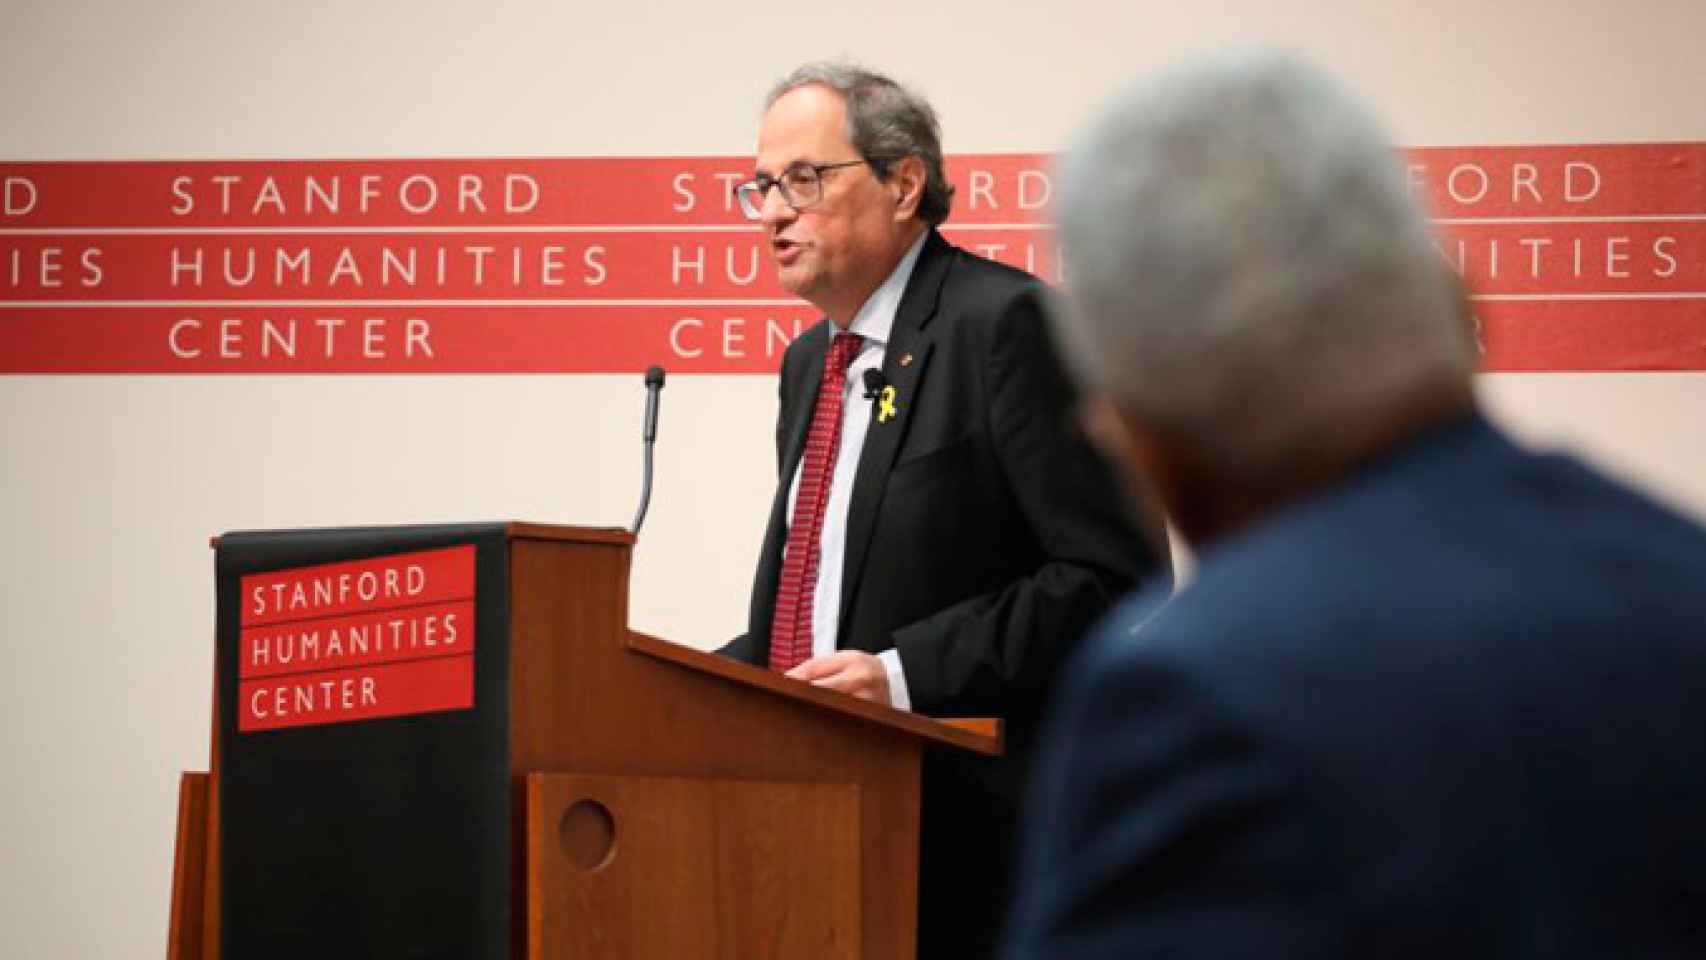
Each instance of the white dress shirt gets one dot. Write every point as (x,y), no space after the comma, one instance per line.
(874,321)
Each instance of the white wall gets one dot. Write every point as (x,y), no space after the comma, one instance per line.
(113,484)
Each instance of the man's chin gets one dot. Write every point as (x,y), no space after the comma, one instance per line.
(796,282)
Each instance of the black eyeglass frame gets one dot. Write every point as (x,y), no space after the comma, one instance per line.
(759,186)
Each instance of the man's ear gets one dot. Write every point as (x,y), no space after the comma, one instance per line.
(1138,453)
(1108,428)
(906,181)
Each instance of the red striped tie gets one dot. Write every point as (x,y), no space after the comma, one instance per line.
(791,626)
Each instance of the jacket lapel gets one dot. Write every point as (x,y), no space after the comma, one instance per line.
(908,340)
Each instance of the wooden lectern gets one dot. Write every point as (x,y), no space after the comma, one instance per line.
(645,799)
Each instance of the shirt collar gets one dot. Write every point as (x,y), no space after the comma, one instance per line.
(875,320)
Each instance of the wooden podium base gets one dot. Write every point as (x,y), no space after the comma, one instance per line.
(622,867)
(602,794)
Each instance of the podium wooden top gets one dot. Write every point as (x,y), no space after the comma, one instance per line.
(979,735)
(524,530)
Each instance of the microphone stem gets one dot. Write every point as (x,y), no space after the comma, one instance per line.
(645,491)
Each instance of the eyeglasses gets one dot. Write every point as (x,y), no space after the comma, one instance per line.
(801,185)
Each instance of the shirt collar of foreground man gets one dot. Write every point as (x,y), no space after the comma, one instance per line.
(1429,694)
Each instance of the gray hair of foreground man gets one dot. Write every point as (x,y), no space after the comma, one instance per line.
(885,122)
(1246,271)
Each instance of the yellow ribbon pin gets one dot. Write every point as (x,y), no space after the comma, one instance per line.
(885,405)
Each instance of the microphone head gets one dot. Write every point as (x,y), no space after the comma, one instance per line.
(654,376)
(874,382)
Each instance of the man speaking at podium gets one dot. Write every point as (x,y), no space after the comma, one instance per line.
(941,534)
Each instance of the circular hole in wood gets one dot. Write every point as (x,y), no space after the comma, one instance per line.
(588,834)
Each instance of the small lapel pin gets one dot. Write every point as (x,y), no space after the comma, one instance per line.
(906,359)
(885,405)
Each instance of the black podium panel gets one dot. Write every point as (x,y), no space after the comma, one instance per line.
(364,775)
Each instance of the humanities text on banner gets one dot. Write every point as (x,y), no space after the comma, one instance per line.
(1577,257)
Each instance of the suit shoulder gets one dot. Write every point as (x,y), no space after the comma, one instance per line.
(983,301)
(978,277)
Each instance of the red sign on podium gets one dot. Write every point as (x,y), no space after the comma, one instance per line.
(384,637)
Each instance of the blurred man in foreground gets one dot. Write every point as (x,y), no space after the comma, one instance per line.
(1430,695)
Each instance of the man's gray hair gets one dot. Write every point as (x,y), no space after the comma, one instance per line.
(885,122)
(1245,268)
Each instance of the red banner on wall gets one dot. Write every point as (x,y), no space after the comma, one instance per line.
(1588,257)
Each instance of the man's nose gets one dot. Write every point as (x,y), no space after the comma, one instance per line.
(774,209)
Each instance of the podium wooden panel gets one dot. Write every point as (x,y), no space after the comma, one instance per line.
(665,801)
(651,882)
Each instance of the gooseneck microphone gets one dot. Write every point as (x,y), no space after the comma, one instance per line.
(874,383)
(654,386)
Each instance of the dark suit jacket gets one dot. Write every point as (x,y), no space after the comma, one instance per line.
(1455,707)
(984,536)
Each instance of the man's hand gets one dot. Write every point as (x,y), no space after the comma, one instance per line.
(849,671)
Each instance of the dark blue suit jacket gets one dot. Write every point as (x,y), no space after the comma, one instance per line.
(1455,706)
